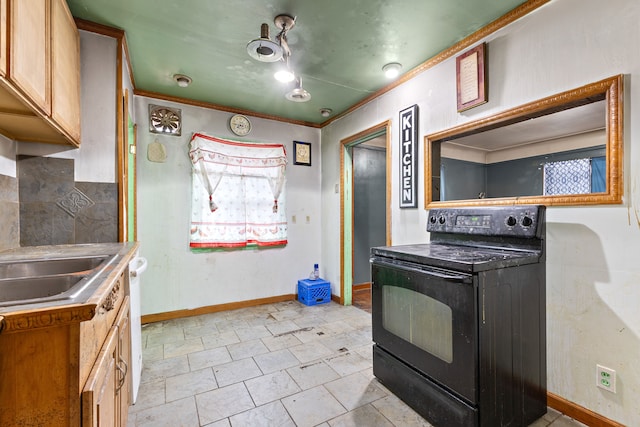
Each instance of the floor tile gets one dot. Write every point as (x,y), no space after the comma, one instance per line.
(233,372)
(347,363)
(252,333)
(189,384)
(313,406)
(276,361)
(271,387)
(205,358)
(245,349)
(200,331)
(279,342)
(181,348)
(181,413)
(150,394)
(355,390)
(398,413)
(283,327)
(223,402)
(313,350)
(269,415)
(363,416)
(161,369)
(220,340)
(312,374)
(280,364)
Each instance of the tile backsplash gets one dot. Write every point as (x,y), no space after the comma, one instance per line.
(9,212)
(55,209)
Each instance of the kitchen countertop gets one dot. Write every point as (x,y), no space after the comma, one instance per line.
(44,314)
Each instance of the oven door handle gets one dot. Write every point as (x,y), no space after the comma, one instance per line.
(442,274)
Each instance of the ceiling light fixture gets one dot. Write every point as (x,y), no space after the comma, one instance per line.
(298,94)
(392,70)
(182,80)
(284,73)
(326,112)
(266,50)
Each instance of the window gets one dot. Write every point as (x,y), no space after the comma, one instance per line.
(576,176)
(238,196)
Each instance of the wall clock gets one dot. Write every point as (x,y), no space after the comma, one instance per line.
(240,125)
(165,120)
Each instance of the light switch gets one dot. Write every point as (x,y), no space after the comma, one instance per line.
(293,219)
(308,219)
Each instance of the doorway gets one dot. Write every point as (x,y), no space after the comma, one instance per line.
(365,206)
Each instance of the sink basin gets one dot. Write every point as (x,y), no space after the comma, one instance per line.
(29,288)
(48,267)
(39,281)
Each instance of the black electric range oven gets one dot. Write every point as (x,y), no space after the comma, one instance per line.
(459,323)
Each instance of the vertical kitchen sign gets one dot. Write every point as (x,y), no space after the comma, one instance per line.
(409,157)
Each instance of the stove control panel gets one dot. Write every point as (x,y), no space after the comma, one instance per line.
(517,221)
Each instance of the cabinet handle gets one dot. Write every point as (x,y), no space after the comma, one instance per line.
(123,373)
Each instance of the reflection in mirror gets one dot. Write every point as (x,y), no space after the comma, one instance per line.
(564,149)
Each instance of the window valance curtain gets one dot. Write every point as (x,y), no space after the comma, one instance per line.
(237,193)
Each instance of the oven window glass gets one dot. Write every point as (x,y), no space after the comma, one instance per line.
(418,319)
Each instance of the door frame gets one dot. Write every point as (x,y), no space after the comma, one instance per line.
(346,202)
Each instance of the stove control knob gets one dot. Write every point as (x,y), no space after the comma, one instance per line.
(432,219)
(511,221)
(526,221)
(441,220)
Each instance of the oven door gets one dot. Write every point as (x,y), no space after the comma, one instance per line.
(427,318)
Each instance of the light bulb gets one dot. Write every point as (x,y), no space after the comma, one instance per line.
(284,76)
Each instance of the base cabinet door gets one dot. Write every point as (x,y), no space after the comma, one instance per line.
(100,406)
(124,362)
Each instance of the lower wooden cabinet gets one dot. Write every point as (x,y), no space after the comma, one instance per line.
(105,397)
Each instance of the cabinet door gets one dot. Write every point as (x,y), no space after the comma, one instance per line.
(65,70)
(4,33)
(30,51)
(124,361)
(99,403)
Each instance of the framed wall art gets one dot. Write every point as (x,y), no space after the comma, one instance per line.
(471,82)
(302,153)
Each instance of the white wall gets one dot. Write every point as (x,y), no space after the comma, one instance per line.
(179,279)
(593,266)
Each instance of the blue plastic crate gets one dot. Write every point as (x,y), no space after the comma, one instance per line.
(313,292)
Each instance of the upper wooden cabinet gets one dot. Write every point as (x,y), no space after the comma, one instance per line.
(39,72)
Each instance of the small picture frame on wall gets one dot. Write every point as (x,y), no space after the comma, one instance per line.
(471,82)
(302,153)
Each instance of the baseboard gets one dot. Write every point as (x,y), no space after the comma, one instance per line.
(579,413)
(361,286)
(158,317)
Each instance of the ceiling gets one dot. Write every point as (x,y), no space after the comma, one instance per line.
(338,47)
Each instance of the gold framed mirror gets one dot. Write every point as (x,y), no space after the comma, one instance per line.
(565,149)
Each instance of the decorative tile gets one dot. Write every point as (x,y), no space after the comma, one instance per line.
(74,201)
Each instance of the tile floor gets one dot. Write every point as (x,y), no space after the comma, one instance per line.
(283,364)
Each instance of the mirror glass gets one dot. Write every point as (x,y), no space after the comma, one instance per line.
(565,149)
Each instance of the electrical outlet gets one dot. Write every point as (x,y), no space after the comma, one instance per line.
(606,378)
